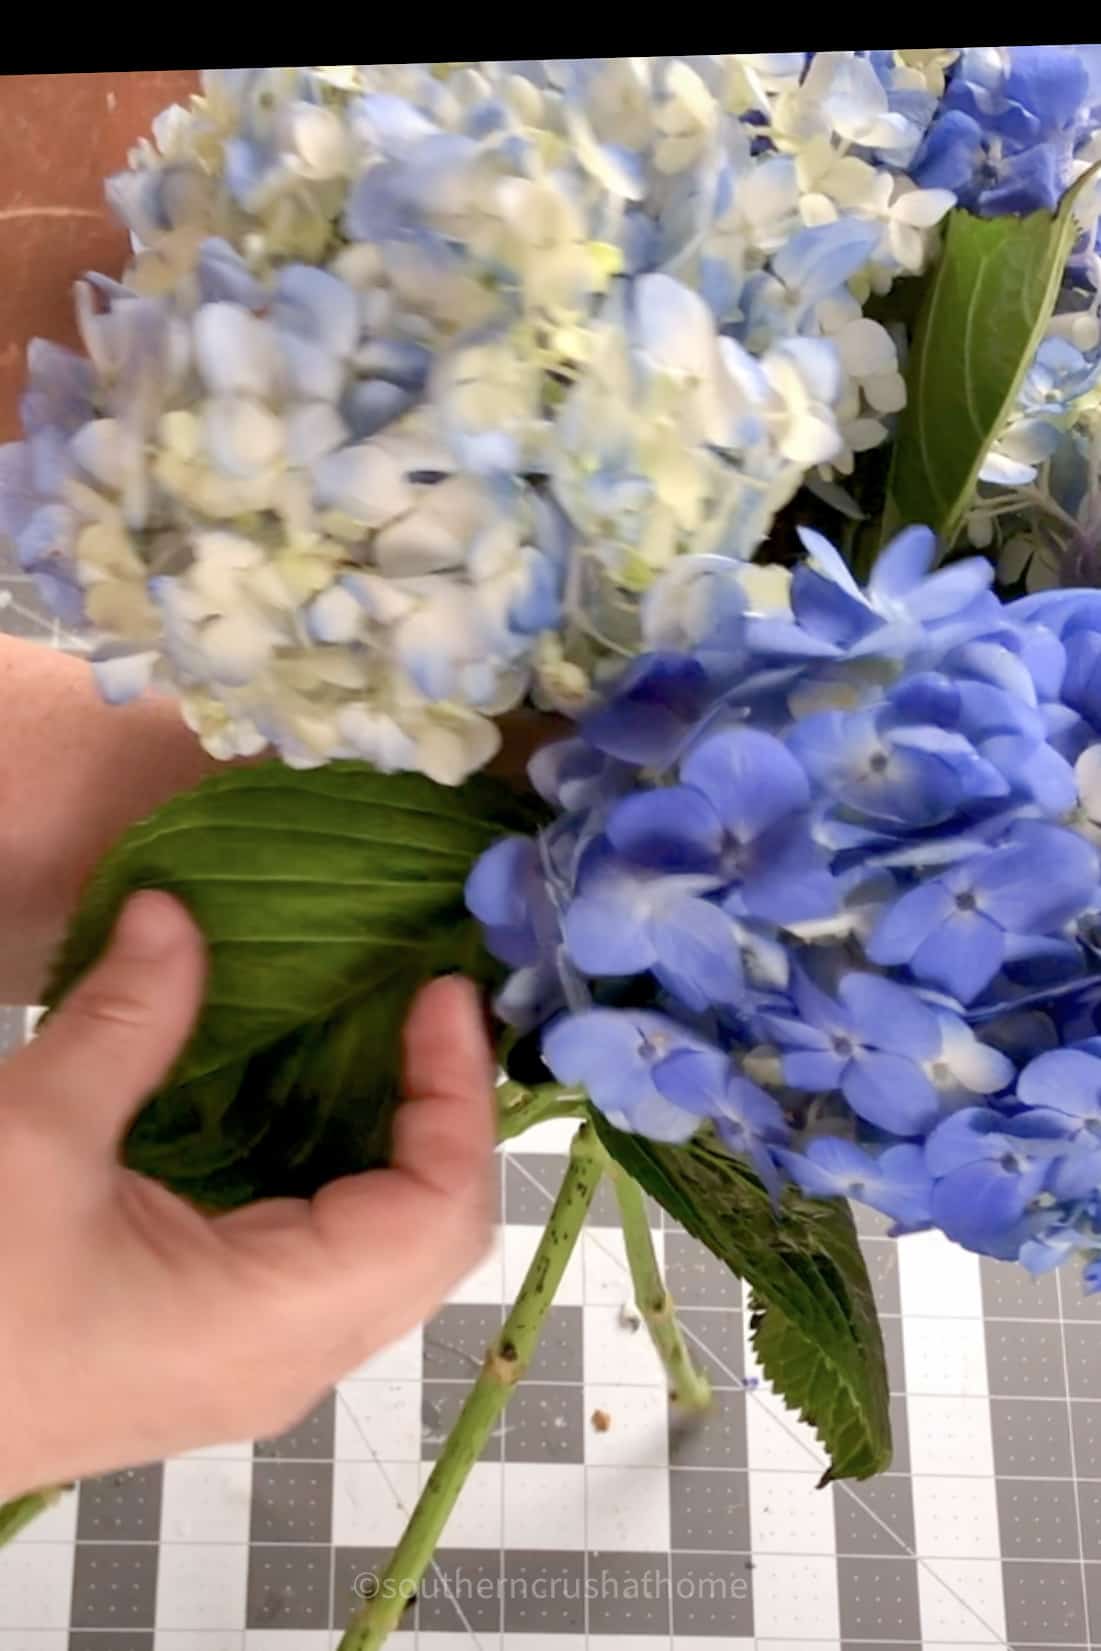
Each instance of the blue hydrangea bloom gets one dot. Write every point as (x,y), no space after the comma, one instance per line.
(615,1057)
(871,1042)
(1008,127)
(896,1182)
(826,881)
(957,930)
(989,1172)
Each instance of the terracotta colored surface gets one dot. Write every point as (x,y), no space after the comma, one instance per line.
(60,136)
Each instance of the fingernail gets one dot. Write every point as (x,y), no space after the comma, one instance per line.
(151,927)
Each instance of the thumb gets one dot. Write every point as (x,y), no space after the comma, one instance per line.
(118,1034)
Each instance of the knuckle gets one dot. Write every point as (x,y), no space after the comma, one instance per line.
(112,1006)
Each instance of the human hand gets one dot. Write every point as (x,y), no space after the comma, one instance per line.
(135,1327)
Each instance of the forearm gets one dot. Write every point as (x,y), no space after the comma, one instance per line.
(74,773)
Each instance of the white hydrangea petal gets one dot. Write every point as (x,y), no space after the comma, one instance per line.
(922,208)
(847,91)
(100,449)
(439,634)
(673,327)
(390,123)
(811,439)
(124,677)
(236,645)
(862,434)
(886,392)
(365,483)
(317,306)
(619,171)
(317,139)
(815,362)
(1006,472)
(311,372)
(816,210)
(866,349)
(907,245)
(241,437)
(978,1067)
(377,738)
(235,351)
(450,751)
(311,430)
(335,616)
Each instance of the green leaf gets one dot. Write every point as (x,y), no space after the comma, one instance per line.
(326,898)
(814,1323)
(986,305)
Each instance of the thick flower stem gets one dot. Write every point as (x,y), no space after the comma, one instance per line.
(519,1108)
(505,1362)
(17,1514)
(689,1387)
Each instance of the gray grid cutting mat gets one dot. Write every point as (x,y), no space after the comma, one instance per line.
(594,1519)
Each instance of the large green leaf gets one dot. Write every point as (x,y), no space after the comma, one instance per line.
(815,1326)
(985,309)
(326,898)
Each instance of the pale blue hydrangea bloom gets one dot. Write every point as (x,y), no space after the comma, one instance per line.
(421,376)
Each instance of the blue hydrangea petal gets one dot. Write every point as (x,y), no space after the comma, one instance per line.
(1009,890)
(786,882)
(962,956)
(819,1010)
(495,887)
(1051,82)
(951,589)
(1063,1080)
(1031,181)
(903,564)
(816,262)
(749,777)
(674,828)
(890,1091)
(609,934)
(816,1070)
(909,922)
(888,1016)
(1077,1175)
(697,955)
(824,610)
(949,153)
(895,1183)
(981,1207)
(653,710)
(694,1080)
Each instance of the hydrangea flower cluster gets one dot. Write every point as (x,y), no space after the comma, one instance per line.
(1015,127)
(823,871)
(422,374)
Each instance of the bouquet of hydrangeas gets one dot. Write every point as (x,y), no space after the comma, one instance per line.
(743,411)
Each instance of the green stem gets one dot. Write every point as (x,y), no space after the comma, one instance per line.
(519,1108)
(505,1362)
(17,1514)
(689,1387)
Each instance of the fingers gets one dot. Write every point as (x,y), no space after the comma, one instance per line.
(116,1037)
(443,1140)
(445,1129)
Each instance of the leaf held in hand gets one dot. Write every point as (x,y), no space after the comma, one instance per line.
(986,306)
(815,1327)
(327,898)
